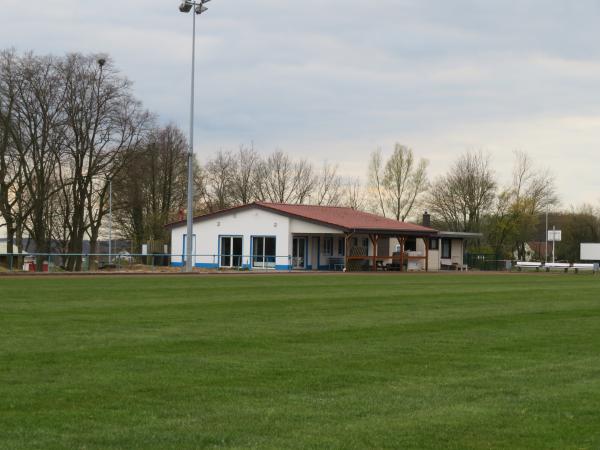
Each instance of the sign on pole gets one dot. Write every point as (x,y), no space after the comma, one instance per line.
(554,235)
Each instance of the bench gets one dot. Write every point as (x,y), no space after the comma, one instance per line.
(528,265)
(577,267)
(336,264)
(557,266)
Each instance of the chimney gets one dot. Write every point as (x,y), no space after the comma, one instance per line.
(426,219)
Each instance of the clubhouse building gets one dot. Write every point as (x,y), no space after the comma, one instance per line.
(278,236)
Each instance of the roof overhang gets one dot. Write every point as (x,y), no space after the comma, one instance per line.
(394,233)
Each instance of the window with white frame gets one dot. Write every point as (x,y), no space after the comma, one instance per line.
(341,247)
(263,251)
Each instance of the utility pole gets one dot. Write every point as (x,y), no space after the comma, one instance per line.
(109,220)
(546,252)
(196,8)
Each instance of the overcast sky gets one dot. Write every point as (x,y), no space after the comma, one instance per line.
(335,79)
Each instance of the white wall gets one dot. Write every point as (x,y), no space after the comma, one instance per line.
(245,223)
(2,237)
(300,226)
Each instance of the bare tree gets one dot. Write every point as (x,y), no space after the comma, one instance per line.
(219,175)
(353,194)
(37,138)
(102,121)
(328,186)
(150,189)
(404,179)
(283,180)
(243,184)
(10,173)
(376,180)
(460,198)
(532,191)
(397,184)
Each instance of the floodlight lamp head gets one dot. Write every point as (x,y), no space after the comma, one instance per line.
(200,9)
(186,6)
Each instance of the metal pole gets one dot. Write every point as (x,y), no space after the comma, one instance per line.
(546,253)
(109,221)
(190,190)
(553,243)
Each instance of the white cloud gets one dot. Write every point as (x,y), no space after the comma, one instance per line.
(334,80)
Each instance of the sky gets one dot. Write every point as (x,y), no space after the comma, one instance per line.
(333,80)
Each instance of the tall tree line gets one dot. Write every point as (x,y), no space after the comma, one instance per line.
(68,125)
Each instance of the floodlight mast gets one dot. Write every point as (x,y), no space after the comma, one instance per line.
(199,8)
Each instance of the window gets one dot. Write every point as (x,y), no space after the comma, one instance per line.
(365,242)
(328,246)
(231,251)
(446,248)
(354,242)
(263,251)
(341,246)
(410,245)
(434,244)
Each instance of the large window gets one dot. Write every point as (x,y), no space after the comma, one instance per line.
(328,246)
(446,248)
(263,251)
(231,251)
(410,245)
(341,246)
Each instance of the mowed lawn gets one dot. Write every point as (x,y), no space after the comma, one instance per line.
(280,361)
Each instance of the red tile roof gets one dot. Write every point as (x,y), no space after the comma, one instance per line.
(347,219)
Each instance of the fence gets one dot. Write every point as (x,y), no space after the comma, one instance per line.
(57,263)
(487,262)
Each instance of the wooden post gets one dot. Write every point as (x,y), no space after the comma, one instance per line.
(347,237)
(374,239)
(401,241)
(375,252)
(426,241)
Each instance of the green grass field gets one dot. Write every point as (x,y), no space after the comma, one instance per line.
(346,361)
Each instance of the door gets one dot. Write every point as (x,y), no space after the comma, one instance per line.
(263,252)
(299,253)
(231,251)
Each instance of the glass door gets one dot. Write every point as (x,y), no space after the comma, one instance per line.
(231,251)
(299,253)
(263,252)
